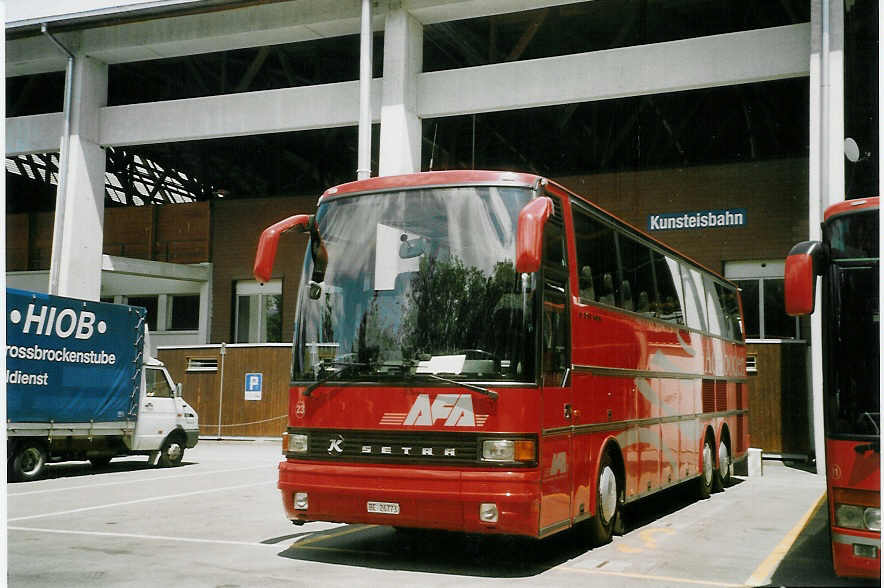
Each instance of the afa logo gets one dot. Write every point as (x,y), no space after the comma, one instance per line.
(449,410)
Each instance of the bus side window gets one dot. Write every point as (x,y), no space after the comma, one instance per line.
(555,339)
(731,307)
(669,295)
(695,298)
(637,287)
(717,323)
(596,258)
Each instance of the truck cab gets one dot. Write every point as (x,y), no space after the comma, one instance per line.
(165,421)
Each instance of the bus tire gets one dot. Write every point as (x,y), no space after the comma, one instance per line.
(723,471)
(607,502)
(707,469)
(29,461)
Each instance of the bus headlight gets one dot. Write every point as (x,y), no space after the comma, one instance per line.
(872,519)
(298,443)
(509,450)
(852,516)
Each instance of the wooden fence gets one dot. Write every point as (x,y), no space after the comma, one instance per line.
(245,410)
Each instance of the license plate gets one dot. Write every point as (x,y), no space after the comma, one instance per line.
(384,507)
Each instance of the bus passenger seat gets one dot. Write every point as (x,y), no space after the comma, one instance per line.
(587,290)
(607,295)
(626,295)
(644,304)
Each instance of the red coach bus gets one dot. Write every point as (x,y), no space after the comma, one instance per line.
(847,259)
(488,352)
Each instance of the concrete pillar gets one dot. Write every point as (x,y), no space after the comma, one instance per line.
(75,270)
(400,143)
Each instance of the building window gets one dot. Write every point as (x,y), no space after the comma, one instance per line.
(762,290)
(258,312)
(151,303)
(183,313)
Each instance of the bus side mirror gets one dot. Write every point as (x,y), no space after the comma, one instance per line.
(529,234)
(266,254)
(803,265)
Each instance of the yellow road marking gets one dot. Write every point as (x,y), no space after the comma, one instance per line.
(649,577)
(648,536)
(346,531)
(763,572)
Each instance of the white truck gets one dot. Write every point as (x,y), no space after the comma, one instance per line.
(79,386)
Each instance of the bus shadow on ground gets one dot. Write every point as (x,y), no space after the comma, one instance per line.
(809,560)
(441,552)
(438,552)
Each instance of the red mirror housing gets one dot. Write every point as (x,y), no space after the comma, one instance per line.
(269,241)
(802,267)
(529,234)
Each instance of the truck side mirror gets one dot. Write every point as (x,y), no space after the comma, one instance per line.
(178,390)
(803,265)
(269,241)
(529,234)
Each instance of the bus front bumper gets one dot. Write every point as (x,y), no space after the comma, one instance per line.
(424,497)
(856,554)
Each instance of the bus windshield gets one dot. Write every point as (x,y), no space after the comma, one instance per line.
(853,396)
(853,236)
(416,283)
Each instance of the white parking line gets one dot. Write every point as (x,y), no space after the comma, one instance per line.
(129,481)
(141,500)
(137,536)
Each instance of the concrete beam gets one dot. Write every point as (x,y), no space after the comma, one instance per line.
(433,11)
(38,133)
(155,269)
(767,54)
(704,62)
(220,30)
(270,111)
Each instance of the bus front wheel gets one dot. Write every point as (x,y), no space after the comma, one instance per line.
(607,500)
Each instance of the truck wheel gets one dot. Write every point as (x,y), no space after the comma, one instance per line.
(171,452)
(29,462)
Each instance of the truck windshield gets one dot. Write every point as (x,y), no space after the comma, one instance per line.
(415,283)
(853,396)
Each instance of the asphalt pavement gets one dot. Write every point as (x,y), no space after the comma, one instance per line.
(218,521)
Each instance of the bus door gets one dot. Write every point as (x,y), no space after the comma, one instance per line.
(555,448)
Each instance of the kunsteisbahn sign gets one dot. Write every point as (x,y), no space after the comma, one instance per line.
(696,220)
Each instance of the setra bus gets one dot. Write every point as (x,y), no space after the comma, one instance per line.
(847,260)
(489,352)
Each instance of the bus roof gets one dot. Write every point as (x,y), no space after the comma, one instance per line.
(435,178)
(849,206)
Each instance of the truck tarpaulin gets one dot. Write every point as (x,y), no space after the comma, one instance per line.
(71,361)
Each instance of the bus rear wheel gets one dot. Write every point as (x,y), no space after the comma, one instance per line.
(607,498)
(723,471)
(707,471)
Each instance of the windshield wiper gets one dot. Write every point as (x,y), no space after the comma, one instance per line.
(346,366)
(489,393)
